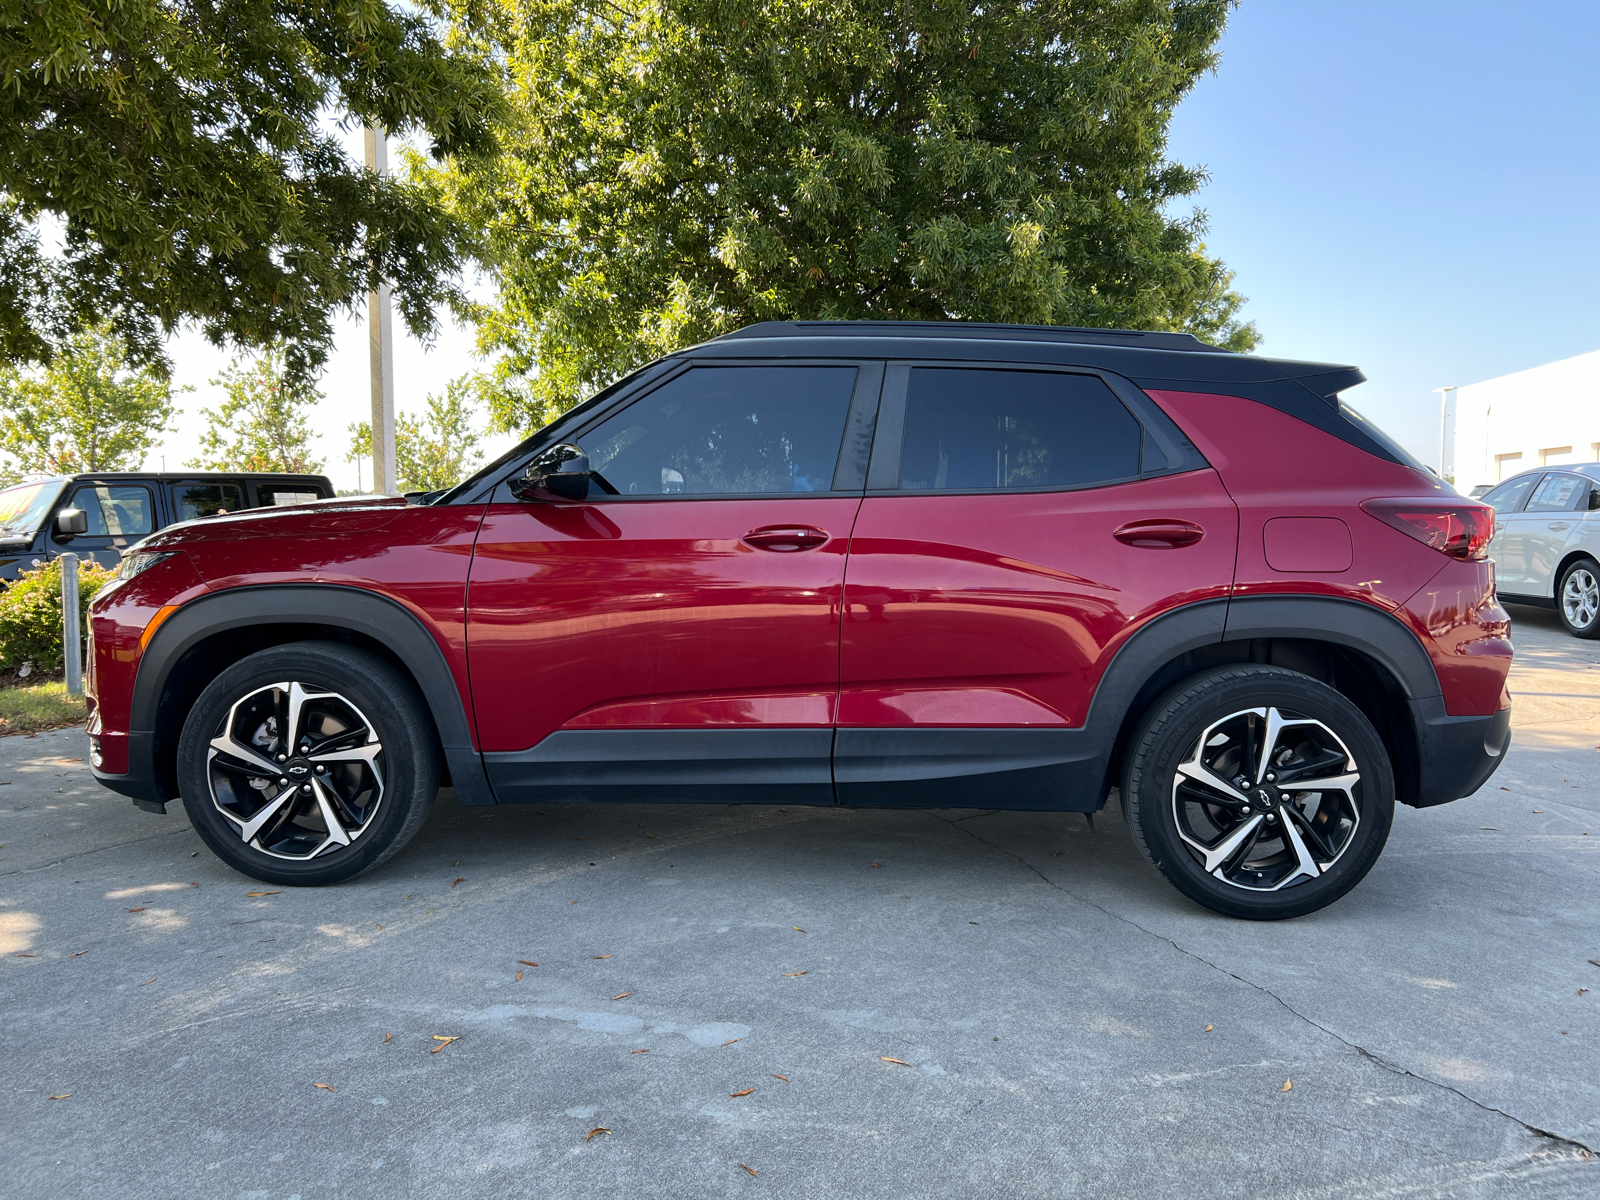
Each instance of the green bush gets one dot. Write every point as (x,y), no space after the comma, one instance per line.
(30,614)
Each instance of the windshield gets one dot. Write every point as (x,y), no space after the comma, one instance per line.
(23,508)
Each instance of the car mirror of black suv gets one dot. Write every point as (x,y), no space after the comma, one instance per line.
(71,521)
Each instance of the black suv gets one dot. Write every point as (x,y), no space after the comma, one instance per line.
(121,507)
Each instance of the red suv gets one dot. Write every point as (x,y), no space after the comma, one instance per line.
(862,563)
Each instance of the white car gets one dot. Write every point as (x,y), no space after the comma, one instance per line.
(1546,547)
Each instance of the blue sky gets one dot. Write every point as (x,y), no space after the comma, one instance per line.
(1409,187)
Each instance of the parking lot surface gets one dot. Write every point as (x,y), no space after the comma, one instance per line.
(811,1002)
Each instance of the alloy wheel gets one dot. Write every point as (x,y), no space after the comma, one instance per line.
(298,772)
(1580,597)
(1266,799)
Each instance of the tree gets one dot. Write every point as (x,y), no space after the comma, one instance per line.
(185,148)
(670,171)
(87,411)
(437,451)
(261,426)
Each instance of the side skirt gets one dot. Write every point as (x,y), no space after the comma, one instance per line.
(1029,770)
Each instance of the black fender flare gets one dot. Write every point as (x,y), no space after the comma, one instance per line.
(335,606)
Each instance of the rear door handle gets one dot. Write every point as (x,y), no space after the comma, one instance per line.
(1159,534)
(1558,526)
(785,539)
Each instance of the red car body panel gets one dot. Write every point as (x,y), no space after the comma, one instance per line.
(654,613)
(1004,609)
(1263,456)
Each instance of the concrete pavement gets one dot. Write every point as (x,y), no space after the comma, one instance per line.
(1047,995)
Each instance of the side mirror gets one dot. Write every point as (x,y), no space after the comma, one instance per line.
(560,473)
(71,521)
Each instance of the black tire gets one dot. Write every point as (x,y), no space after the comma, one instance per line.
(1216,707)
(1583,577)
(346,700)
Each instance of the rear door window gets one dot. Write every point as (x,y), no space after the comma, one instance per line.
(1509,494)
(1558,493)
(727,431)
(277,495)
(191,500)
(124,510)
(1002,430)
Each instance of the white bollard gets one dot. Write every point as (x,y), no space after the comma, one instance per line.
(71,635)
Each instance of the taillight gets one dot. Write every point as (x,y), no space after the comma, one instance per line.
(1458,528)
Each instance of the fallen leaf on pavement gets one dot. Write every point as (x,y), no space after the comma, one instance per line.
(1287,1085)
(148,982)
(646,1050)
(1595,961)
(595,1130)
(79,954)
(277,893)
(457,863)
(785,1078)
(135,910)
(63,1096)
(443,1042)
(731,1041)
(624,996)
(1538,811)
(605,955)
(526,963)
(751,1170)
(874,864)
(649,835)
(797,929)
(574,901)
(1209,1028)
(1583,991)
(736,1095)
(793,974)
(518,979)
(429,913)
(388,1037)
(325,1087)
(463,879)
(21,954)
(1494,828)
(380,926)
(194,885)
(902,1062)
(196,854)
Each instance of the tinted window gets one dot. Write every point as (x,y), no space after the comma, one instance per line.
(727,431)
(1509,494)
(203,499)
(285,495)
(1558,493)
(115,511)
(974,430)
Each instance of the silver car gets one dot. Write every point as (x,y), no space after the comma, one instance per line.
(1546,548)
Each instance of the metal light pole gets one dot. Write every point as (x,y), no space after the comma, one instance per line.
(381,346)
(1444,420)
(71,634)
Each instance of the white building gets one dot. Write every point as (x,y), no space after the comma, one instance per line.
(1533,418)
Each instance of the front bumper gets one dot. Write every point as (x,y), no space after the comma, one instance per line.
(140,782)
(1456,754)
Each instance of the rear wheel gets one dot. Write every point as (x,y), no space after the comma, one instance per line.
(1578,598)
(307,763)
(1258,792)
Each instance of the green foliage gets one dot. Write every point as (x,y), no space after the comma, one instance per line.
(262,424)
(31,707)
(674,169)
(185,148)
(437,451)
(86,411)
(30,613)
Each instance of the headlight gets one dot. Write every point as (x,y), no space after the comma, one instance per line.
(139,561)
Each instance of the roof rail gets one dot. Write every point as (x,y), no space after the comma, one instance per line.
(1136,338)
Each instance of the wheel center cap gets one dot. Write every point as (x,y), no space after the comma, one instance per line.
(297,768)
(1267,797)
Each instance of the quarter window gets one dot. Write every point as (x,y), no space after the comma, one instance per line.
(1558,493)
(980,430)
(722,431)
(115,511)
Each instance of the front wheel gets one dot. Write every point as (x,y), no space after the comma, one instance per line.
(1578,599)
(1258,792)
(307,763)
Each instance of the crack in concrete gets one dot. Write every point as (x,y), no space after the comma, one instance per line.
(1375,1059)
(96,850)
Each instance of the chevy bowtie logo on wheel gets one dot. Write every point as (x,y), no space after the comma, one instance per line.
(298,770)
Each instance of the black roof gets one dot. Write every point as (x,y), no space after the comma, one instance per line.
(180,476)
(968,330)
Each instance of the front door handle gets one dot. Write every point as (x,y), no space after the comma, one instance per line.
(1558,526)
(785,539)
(1162,533)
